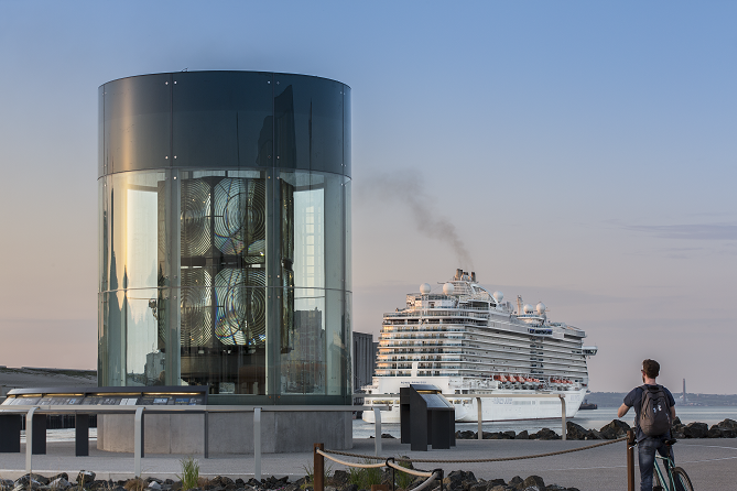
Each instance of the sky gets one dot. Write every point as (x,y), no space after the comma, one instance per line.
(583,154)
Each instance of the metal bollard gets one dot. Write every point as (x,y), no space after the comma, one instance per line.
(630,460)
(377,429)
(563,414)
(137,441)
(480,413)
(29,439)
(318,468)
(257,443)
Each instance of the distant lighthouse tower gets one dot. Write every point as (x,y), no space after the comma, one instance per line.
(683,397)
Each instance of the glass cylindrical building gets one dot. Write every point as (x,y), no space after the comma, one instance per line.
(224,231)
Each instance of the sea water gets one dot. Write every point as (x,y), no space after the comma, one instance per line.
(588,418)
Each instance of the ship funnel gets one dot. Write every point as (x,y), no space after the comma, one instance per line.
(459,274)
(473,276)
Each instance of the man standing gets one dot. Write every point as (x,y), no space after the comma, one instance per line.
(648,444)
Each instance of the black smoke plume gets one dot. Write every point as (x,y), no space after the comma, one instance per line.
(407,188)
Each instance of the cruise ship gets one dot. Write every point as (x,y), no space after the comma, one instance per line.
(475,346)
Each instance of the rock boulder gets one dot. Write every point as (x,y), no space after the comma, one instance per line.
(615,429)
(696,430)
(728,424)
(532,483)
(575,431)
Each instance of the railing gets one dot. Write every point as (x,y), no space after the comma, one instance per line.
(478,398)
(138,412)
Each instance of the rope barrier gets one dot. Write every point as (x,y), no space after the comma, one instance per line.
(350,464)
(435,475)
(413,472)
(431,476)
(498,459)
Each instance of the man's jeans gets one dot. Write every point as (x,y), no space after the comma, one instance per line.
(646,455)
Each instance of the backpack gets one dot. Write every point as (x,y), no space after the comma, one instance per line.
(655,417)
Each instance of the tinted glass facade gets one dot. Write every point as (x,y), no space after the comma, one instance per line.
(225,235)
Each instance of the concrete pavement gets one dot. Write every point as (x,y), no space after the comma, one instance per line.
(711,463)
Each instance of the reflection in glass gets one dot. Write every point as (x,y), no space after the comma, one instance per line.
(223,282)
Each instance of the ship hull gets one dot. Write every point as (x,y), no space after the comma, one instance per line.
(497,409)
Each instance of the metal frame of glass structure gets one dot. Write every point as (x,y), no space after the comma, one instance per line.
(224,230)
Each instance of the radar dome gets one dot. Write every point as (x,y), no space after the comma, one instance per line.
(425,288)
(528,308)
(449,288)
(498,296)
(540,308)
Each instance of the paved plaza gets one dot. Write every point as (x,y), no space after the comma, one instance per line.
(711,463)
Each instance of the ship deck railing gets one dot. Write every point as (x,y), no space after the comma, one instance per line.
(478,398)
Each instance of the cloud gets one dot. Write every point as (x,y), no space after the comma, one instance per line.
(714,231)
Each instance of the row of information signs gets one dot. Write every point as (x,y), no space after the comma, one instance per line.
(108,400)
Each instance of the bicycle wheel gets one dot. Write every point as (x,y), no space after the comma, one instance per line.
(682,481)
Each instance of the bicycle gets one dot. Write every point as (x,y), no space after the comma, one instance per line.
(678,480)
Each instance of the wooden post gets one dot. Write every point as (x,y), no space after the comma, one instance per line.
(318,468)
(630,460)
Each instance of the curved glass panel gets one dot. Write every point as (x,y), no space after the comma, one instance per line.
(308,123)
(228,262)
(222,119)
(137,123)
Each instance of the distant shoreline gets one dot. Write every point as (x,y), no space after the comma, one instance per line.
(614,399)
(23,377)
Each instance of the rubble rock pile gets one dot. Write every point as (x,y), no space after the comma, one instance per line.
(340,481)
(611,431)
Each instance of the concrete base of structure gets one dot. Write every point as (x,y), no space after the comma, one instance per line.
(228,433)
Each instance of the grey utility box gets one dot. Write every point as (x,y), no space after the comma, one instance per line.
(426,416)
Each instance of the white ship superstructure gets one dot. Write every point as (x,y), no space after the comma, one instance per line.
(470,343)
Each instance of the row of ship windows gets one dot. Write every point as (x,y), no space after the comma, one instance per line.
(410,324)
(495,367)
(445,373)
(522,356)
(486,354)
(576,348)
(524,331)
(476,342)
(425,328)
(470,312)
(562,355)
(476,362)
(437,342)
(436,320)
(498,368)
(399,373)
(515,340)
(573,355)
(426,336)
